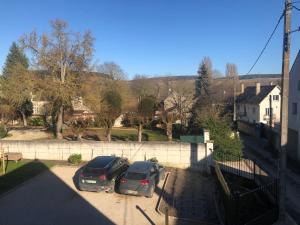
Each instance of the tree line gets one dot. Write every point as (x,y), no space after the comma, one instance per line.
(61,69)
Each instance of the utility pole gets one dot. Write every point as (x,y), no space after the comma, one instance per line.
(284,109)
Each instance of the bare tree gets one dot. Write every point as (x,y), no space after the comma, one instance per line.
(144,114)
(232,74)
(113,70)
(61,53)
(181,99)
(168,117)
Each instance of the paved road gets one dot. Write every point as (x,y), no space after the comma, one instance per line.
(52,199)
(256,150)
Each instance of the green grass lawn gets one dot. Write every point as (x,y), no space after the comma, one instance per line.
(122,134)
(17,173)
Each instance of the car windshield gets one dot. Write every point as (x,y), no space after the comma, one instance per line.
(98,165)
(135,176)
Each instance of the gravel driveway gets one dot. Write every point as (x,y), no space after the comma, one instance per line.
(52,199)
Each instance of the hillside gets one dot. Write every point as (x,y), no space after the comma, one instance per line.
(160,86)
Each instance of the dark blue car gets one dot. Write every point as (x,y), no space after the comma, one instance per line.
(101,173)
(141,178)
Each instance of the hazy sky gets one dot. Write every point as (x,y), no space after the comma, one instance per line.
(161,37)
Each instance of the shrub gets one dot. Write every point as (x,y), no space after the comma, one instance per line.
(225,143)
(178,129)
(37,121)
(74,159)
(3,131)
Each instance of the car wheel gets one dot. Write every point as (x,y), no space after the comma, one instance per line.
(151,191)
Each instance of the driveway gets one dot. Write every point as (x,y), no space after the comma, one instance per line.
(52,199)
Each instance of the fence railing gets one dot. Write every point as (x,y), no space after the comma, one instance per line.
(252,196)
(238,165)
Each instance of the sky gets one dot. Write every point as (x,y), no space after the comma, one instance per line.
(161,37)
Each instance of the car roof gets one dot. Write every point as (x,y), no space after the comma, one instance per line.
(101,161)
(140,166)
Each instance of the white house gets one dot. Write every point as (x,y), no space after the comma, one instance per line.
(259,104)
(294,110)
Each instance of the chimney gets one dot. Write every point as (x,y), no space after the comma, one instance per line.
(271,83)
(257,88)
(242,88)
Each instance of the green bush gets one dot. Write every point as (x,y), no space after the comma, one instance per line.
(74,159)
(225,142)
(3,131)
(36,121)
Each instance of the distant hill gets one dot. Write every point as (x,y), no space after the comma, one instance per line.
(188,81)
(241,77)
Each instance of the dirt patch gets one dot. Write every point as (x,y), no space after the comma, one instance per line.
(189,194)
(28,134)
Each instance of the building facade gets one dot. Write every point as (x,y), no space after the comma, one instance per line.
(259,104)
(294,111)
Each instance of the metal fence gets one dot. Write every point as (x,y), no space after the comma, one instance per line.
(253,194)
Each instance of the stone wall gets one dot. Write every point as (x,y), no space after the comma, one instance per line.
(174,154)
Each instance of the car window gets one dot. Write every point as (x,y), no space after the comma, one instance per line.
(101,162)
(135,176)
(93,170)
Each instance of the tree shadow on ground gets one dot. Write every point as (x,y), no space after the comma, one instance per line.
(129,137)
(51,202)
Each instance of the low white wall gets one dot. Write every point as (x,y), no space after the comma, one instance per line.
(174,154)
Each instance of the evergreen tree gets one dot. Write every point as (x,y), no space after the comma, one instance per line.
(204,79)
(14,57)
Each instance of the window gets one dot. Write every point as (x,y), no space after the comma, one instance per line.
(298,85)
(294,108)
(35,109)
(275,97)
(268,111)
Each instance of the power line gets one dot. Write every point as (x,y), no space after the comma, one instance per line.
(268,41)
(296,8)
